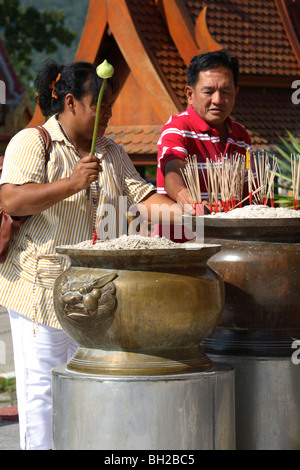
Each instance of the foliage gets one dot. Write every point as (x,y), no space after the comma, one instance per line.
(289,147)
(26,30)
(8,386)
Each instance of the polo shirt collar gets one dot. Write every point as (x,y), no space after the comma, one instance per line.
(202,125)
(52,125)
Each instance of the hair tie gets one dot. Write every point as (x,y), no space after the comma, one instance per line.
(52,86)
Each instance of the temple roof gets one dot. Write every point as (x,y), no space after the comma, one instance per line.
(253,30)
(151,42)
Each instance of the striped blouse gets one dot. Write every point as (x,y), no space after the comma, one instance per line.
(32,265)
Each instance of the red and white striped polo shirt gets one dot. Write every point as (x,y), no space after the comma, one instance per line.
(188,134)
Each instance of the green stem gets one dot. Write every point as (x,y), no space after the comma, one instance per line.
(101,92)
(100,96)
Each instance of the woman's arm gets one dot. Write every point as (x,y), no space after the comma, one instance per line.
(32,198)
(158,208)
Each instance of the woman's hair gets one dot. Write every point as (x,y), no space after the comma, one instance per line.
(212,60)
(55,81)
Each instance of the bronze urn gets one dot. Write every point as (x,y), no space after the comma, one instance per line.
(139,312)
(260,265)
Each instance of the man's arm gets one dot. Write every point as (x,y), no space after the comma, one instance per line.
(176,189)
(162,209)
(175,186)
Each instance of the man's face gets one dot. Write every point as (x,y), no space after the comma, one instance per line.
(213,96)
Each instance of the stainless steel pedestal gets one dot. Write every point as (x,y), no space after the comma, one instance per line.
(181,412)
(267,396)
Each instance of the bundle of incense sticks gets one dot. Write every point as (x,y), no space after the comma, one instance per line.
(250,174)
(225,177)
(295,168)
(232,173)
(265,172)
(212,184)
(190,176)
(99,215)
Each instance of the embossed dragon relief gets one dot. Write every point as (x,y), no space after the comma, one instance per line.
(86,297)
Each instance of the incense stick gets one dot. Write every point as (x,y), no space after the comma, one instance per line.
(225,178)
(295,169)
(245,199)
(191,178)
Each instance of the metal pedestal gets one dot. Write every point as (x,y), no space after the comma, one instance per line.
(182,412)
(267,396)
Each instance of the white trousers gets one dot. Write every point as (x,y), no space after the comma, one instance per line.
(34,357)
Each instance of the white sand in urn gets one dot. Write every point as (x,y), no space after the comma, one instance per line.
(127,242)
(258,212)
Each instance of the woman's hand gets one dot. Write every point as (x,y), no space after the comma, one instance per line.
(85,172)
(32,198)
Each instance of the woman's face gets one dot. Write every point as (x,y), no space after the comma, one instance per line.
(105,110)
(86,114)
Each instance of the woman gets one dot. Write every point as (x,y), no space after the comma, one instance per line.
(54,196)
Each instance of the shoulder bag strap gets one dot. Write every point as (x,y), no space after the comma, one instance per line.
(47,140)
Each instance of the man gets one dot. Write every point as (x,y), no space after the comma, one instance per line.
(204,129)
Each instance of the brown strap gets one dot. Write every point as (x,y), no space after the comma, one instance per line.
(47,140)
(10,224)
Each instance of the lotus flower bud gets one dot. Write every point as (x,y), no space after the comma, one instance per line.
(105,70)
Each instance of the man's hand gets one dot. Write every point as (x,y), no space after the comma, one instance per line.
(176,189)
(183,198)
(187,204)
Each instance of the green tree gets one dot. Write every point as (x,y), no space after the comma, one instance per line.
(25,30)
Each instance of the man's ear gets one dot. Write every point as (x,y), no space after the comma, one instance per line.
(189,94)
(236,91)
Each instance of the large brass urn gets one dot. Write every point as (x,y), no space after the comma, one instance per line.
(260,265)
(139,311)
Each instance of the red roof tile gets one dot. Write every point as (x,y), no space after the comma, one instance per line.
(148,19)
(266,114)
(135,139)
(253,31)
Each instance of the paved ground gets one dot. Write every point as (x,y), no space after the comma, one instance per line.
(9,436)
(6,352)
(9,430)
